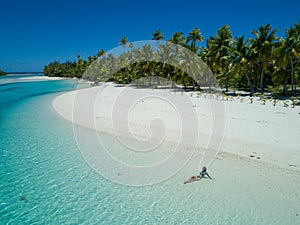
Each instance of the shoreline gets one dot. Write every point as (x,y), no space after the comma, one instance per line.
(9,80)
(254,131)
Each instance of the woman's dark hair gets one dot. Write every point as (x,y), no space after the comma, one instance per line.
(204,169)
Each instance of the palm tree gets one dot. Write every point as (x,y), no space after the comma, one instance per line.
(145,56)
(80,66)
(157,35)
(194,36)
(91,59)
(262,47)
(220,47)
(177,38)
(193,68)
(167,56)
(101,53)
(209,61)
(240,59)
(124,42)
(288,53)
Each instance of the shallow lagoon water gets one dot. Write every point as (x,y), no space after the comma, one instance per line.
(44,179)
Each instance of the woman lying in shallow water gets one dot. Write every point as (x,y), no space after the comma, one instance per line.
(202,174)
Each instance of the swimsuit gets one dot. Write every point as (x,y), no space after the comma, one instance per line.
(202,174)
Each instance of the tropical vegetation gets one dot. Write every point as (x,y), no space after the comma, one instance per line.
(2,73)
(263,62)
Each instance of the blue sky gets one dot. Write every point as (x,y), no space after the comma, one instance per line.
(36,32)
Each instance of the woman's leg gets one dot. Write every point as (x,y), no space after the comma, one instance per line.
(191,179)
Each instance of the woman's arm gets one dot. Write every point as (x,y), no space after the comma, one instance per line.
(208,175)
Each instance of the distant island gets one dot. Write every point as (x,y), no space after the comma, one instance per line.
(25,72)
(2,73)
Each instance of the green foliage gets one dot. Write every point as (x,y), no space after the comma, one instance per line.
(157,35)
(70,69)
(194,37)
(263,62)
(2,73)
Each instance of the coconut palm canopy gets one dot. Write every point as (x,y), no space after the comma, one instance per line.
(262,62)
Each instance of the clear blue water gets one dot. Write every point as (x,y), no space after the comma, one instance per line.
(44,179)
(13,92)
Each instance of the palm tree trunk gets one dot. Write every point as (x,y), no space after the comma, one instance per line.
(284,85)
(226,78)
(292,76)
(170,72)
(183,81)
(156,74)
(126,70)
(255,84)
(207,71)
(227,81)
(262,81)
(249,82)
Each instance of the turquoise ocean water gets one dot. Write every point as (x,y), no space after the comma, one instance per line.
(44,179)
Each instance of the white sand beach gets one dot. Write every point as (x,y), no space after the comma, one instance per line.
(39,78)
(259,132)
(29,79)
